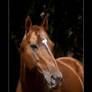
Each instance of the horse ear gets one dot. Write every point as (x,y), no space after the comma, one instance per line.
(28,24)
(45,23)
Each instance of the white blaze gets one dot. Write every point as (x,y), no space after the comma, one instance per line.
(45,42)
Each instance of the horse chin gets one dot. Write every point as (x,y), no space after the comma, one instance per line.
(52,86)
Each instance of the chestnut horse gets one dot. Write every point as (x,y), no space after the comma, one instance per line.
(39,70)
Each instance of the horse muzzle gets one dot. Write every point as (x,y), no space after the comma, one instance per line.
(53,81)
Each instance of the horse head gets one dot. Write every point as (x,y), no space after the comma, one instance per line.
(36,51)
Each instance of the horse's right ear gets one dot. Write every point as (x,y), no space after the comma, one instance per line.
(28,24)
(45,23)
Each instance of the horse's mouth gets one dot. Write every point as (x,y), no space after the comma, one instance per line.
(53,84)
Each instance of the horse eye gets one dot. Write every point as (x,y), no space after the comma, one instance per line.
(33,46)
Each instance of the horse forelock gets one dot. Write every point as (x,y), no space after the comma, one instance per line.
(35,27)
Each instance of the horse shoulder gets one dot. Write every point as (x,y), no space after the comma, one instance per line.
(72,82)
(74,63)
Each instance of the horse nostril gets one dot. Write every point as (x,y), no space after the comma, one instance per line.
(60,79)
(33,46)
(53,77)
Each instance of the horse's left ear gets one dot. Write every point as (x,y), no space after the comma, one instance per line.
(45,23)
(28,24)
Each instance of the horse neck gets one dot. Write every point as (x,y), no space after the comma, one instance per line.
(32,80)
